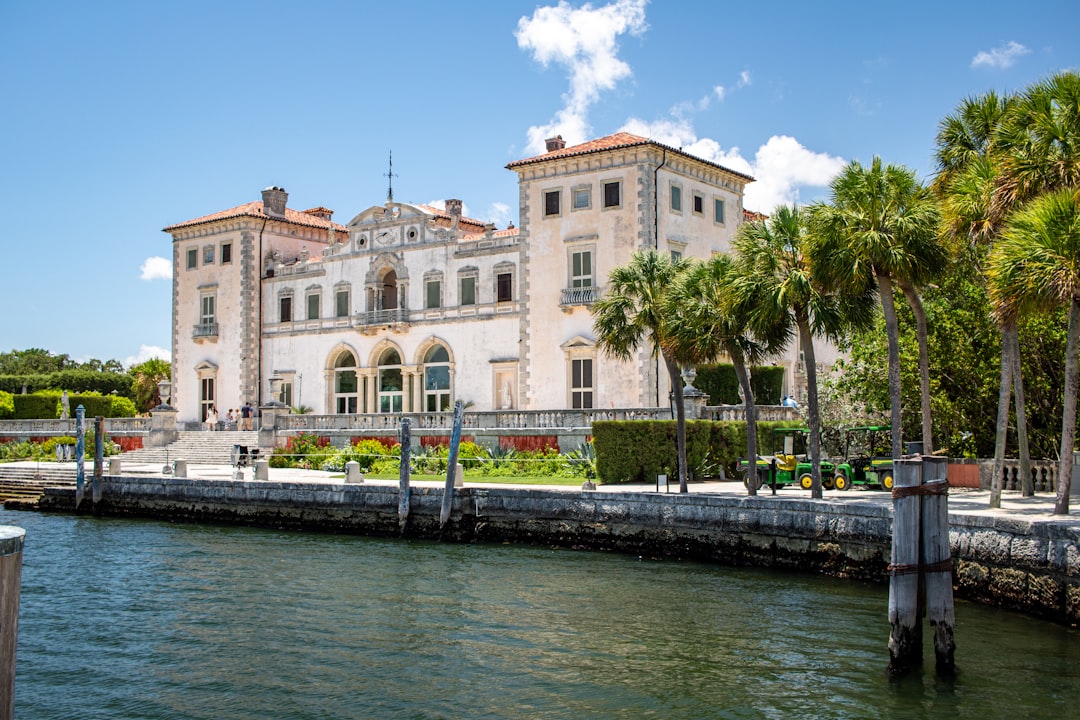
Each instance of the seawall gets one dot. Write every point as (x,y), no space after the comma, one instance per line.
(1030,564)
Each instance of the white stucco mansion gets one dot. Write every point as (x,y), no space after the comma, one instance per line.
(408,307)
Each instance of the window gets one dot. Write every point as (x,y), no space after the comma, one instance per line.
(581,383)
(391,395)
(345,383)
(285,309)
(226,253)
(582,197)
(208,255)
(192,258)
(313,306)
(718,211)
(676,198)
(699,204)
(437,379)
(341,303)
(206,393)
(551,202)
(468,291)
(504,287)
(285,393)
(433,294)
(676,255)
(208,309)
(612,195)
(581,270)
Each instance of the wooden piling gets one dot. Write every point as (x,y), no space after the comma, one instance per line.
(905,635)
(99,455)
(937,561)
(403,473)
(80,451)
(451,463)
(11,547)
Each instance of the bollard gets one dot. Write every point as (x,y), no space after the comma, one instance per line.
(11,547)
(459,476)
(905,635)
(937,561)
(115,467)
(180,468)
(352,472)
(262,470)
(453,469)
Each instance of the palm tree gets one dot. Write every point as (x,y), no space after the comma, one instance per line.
(146,376)
(881,224)
(632,312)
(1036,265)
(775,258)
(969,175)
(714,307)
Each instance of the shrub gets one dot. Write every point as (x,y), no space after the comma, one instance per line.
(37,406)
(720,384)
(7,405)
(302,451)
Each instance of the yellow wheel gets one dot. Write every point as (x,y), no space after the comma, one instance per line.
(806,480)
(840,482)
(886,480)
(827,482)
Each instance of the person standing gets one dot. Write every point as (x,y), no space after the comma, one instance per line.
(211,418)
(245,416)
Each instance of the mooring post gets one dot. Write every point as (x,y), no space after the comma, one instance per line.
(451,463)
(99,455)
(80,450)
(905,635)
(937,561)
(403,473)
(11,547)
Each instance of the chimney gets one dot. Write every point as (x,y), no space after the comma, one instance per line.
(555,143)
(453,209)
(274,199)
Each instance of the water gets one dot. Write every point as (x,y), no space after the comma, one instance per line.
(138,619)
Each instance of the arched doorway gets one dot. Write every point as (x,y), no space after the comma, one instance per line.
(391,395)
(345,385)
(388,291)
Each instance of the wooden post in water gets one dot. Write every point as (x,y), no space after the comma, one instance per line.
(451,463)
(80,451)
(937,561)
(905,635)
(11,547)
(403,473)
(99,455)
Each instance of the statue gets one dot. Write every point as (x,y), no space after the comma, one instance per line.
(65,408)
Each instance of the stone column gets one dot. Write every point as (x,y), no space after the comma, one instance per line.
(162,426)
(269,414)
(11,547)
(372,381)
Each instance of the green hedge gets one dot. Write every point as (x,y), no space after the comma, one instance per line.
(37,407)
(74,381)
(720,383)
(639,450)
(46,405)
(7,405)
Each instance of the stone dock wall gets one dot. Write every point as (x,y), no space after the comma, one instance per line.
(1021,564)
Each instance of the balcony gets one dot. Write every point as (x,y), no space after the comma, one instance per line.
(204,331)
(396,316)
(579,296)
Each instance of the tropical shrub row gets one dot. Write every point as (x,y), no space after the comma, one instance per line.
(47,404)
(315,452)
(639,450)
(718,381)
(45,450)
(78,381)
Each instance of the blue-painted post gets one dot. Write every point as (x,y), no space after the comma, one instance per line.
(451,463)
(403,473)
(99,455)
(80,450)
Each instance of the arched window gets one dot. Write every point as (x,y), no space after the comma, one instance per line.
(388,299)
(345,387)
(437,379)
(390,385)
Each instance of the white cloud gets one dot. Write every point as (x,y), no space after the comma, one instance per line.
(1000,57)
(584,41)
(744,79)
(148,352)
(781,167)
(719,91)
(499,213)
(156,268)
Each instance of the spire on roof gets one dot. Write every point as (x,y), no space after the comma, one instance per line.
(390,174)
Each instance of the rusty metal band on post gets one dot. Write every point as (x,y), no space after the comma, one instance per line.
(938,567)
(934,488)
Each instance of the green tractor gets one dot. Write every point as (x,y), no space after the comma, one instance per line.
(790,463)
(867,459)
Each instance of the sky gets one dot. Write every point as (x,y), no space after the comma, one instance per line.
(120,118)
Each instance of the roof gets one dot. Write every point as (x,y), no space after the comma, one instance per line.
(255,210)
(616,141)
(462,220)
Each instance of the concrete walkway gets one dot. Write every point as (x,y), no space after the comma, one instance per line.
(961,500)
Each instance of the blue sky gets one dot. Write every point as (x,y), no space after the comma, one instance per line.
(120,118)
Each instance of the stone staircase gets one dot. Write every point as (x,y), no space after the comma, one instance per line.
(198,447)
(24,485)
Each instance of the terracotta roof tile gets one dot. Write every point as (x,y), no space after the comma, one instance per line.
(255,210)
(613,142)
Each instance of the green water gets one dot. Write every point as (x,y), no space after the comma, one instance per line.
(135,619)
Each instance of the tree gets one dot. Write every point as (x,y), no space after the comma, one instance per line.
(881,224)
(632,312)
(146,376)
(713,310)
(1036,265)
(786,298)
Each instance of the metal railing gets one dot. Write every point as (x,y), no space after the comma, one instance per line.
(383,317)
(203,330)
(580,295)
